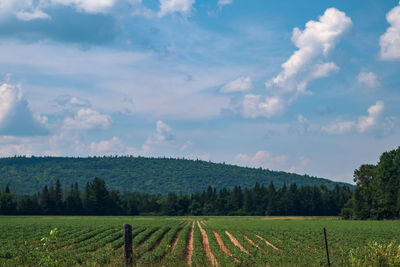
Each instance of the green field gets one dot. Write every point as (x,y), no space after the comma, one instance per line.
(240,241)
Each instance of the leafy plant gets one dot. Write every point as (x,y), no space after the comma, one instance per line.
(375,254)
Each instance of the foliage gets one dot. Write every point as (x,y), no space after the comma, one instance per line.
(377,194)
(375,254)
(259,200)
(28,175)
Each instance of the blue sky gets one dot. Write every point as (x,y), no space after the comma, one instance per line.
(307,88)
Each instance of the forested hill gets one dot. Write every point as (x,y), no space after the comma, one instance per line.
(28,175)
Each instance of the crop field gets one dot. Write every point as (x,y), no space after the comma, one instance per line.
(179,241)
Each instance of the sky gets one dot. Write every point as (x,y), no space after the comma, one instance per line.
(311,88)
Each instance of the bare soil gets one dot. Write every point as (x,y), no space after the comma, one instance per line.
(268,243)
(157,244)
(277,239)
(223,247)
(250,241)
(206,246)
(175,240)
(236,242)
(144,239)
(189,246)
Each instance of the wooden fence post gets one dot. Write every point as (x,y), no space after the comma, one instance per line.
(128,244)
(327,249)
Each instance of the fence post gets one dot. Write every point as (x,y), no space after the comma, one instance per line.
(128,244)
(327,249)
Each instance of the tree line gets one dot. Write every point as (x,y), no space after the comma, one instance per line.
(377,193)
(97,199)
(28,175)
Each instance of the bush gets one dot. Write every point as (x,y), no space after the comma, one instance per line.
(374,254)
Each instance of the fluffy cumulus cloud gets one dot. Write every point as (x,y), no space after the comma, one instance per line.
(171,6)
(390,40)
(163,134)
(368,79)
(261,158)
(314,44)
(241,84)
(305,65)
(370,123)
(112,146)
(16,118)
(253,106)
(366,123)
(87,119)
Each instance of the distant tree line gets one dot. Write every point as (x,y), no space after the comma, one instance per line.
(28,175)
(377,194)
(97,199)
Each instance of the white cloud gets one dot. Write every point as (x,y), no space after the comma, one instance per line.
(162,135)
(22,9)
(112,146)
(172,6)
(339,127)
(318,71)
(304,124)
(187,145)
(390,40)
(253,107)
(305,65)
(368,79)
(33,9)
(364,124)
(224,2)
(89,6)
(314,43)
(16,118)
(117,75)
(241,84)
(87,119)
(261,158)
(31,15)
(71,102)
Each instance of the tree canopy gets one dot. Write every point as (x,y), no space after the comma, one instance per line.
(377,193)
(98,199)
(28,175)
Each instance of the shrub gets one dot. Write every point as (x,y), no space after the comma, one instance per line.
(375,254)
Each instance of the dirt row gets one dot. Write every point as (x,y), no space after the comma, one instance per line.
(205,243)
(207,249)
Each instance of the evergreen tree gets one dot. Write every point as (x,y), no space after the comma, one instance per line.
(73,202)
(272,203)
(237,200)
(59,204)
(47,201)
(7,204)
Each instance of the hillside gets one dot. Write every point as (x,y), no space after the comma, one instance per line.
(28,175)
